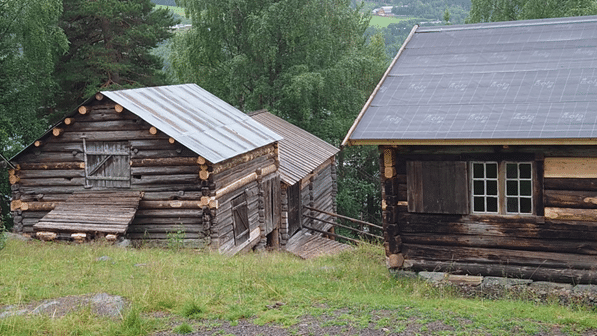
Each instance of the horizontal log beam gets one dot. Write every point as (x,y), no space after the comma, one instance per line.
(498,256)
(524,272)
(172,161)
(571,199)
(589,215)
(52,165)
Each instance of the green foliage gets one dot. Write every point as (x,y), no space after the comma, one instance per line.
(30,42)
(176,238)
(192,309)
(433,10)
(3,236)
(508,10)
(307,61)
(184,328)
(110,47)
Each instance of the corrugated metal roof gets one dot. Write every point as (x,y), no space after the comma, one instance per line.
(197,119)
(534,79)
(300,152)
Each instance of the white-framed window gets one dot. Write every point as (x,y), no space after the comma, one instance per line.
(501,187)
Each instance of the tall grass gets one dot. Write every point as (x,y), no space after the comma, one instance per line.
(210,286)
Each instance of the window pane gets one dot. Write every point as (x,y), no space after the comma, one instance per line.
(525,188)
(512,204)
(478,188)
(478,170)
(525,205)
(492,188)
(511,170)
(479,204)
(491,169)
(525,170)
(512,188)
(492,204)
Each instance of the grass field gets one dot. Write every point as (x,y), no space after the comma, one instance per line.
(383,22)
(175,9)
(222,288)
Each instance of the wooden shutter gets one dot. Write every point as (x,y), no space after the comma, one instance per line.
(437,187)
(241,219)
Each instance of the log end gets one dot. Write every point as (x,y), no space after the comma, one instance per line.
(153,130)
(38,143)
(395,260)
(118,108)
(83,110)
(200,160)
(57,131)
(99,96)
(171,140)
(69,121)
(46,236)
(204,174)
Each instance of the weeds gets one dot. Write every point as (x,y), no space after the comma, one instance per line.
(176,238)
(184,328)
(3,236)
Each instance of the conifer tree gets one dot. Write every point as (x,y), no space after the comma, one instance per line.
(110,44)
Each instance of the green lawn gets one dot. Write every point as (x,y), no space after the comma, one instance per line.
(383,22)
(218,287)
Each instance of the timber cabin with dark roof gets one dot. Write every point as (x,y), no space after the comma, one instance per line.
(488,149)
(144,163)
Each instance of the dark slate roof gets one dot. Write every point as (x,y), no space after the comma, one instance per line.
(534,79)
(300,152)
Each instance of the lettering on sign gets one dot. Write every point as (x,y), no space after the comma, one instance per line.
(498,56)
(543,54)
(584,52)
(478,117)
(435,118)
(457,86)
(417,87)
(573,116)
(459,58)
(500,85)
(392,119)
(524,117)
(589,81)
(544,83)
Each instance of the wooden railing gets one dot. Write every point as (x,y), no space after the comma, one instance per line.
(360,231)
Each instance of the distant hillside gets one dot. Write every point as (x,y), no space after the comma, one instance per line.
(167,2)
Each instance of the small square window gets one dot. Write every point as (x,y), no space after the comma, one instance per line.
(502,187)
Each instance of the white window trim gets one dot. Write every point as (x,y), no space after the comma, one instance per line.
(502,187)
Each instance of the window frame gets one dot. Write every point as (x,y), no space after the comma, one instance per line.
(502,187)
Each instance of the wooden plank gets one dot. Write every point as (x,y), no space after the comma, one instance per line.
(571,199)
(570,167)
(571,214)
(581,184)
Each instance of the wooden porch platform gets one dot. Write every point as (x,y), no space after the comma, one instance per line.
(307,245)
(108,212)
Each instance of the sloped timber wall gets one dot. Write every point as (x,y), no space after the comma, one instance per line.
(557,243)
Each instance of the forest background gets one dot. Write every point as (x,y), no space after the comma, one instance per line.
(313,63)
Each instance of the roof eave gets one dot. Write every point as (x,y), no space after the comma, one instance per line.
(468,142)
(347,141)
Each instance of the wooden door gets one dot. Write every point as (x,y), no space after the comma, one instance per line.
(294,208)
(107,164)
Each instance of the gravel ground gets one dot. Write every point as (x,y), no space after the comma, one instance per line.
(382,323)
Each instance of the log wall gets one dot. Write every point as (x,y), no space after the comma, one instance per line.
(557,243)
(182,192)
(319,191)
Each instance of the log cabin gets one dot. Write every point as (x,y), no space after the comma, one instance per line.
(487,136)
(148,163)
(307,175)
